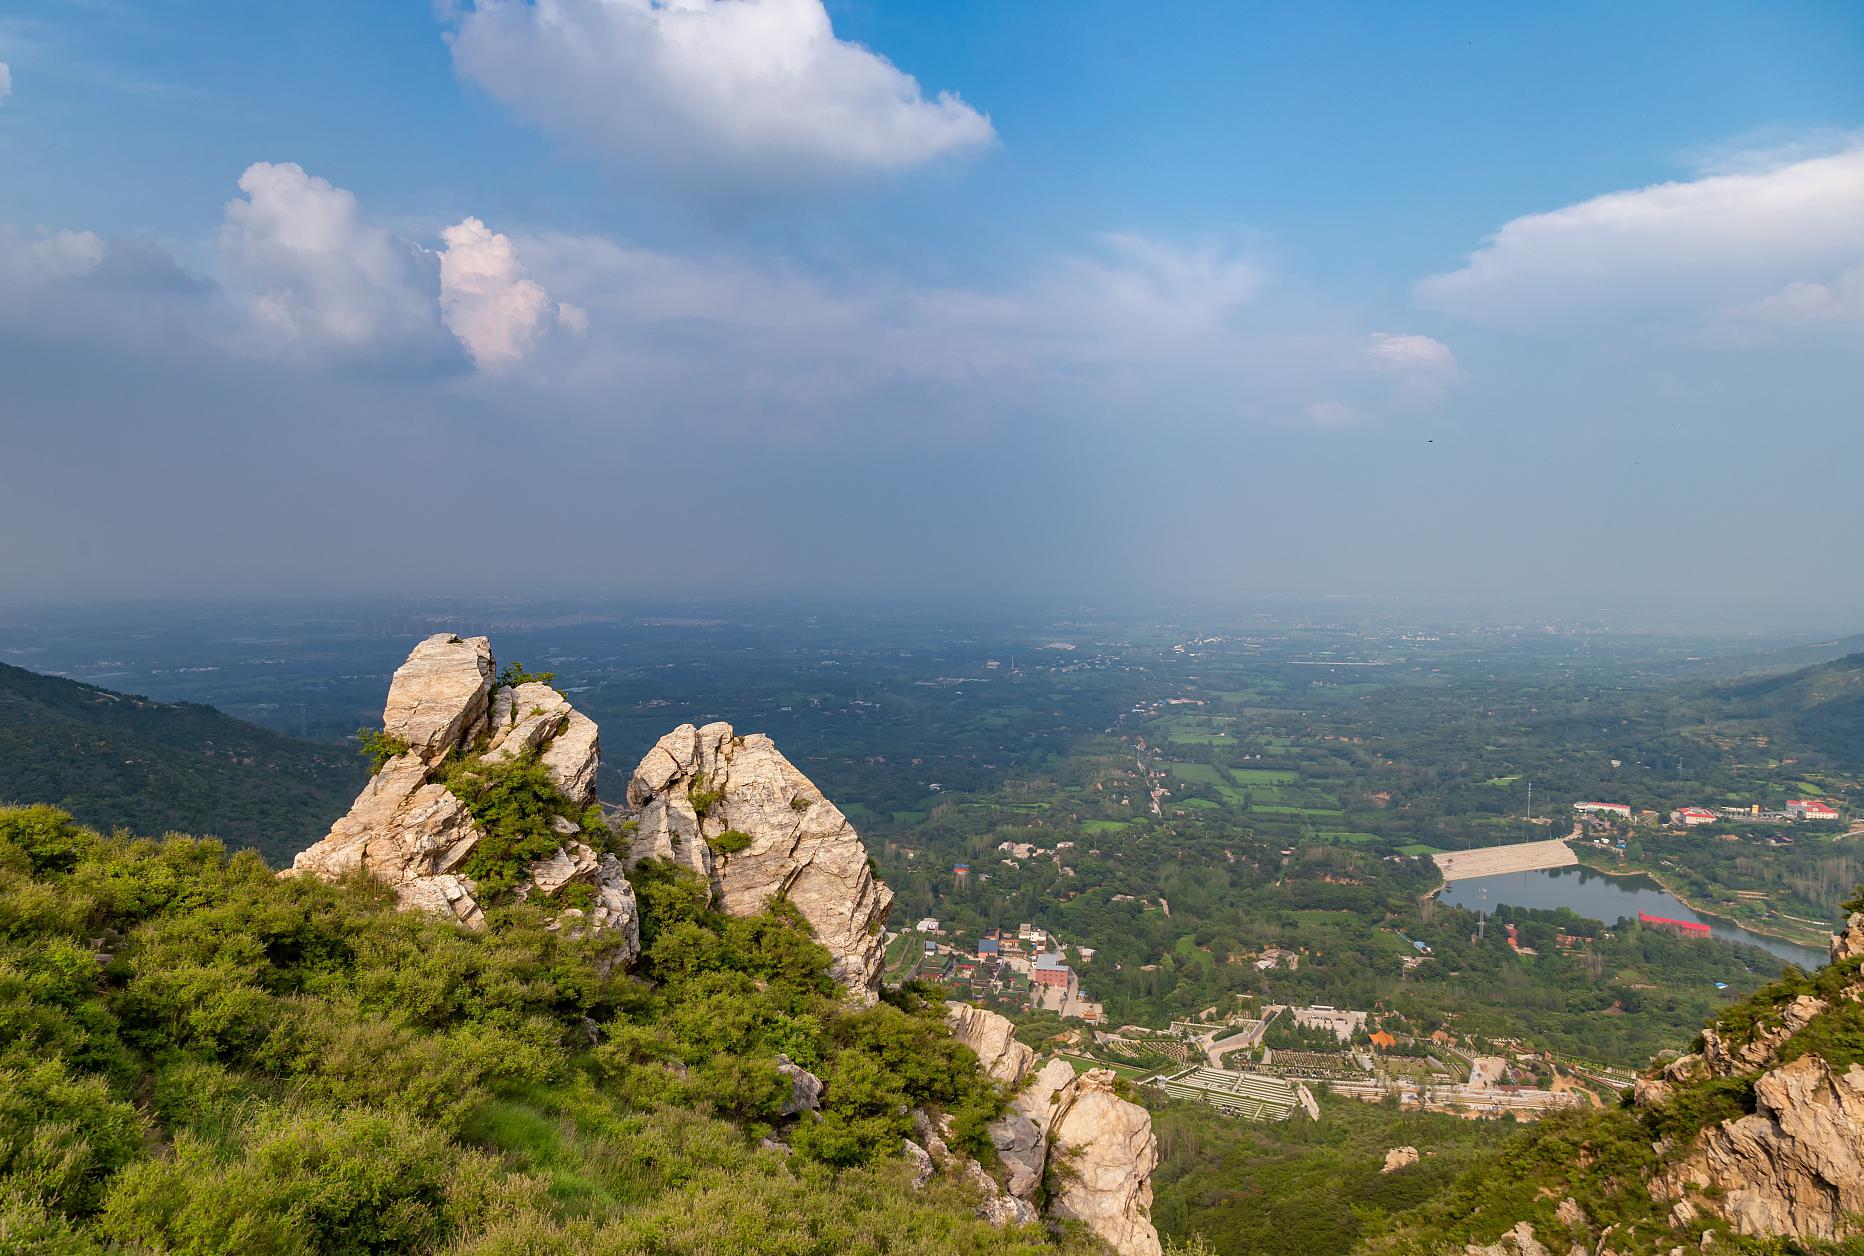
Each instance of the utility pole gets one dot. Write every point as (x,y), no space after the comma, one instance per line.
(1482,914)
(1530,807)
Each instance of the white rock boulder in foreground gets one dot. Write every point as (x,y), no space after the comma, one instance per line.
(1096,1150)
(410,832)
(737,812)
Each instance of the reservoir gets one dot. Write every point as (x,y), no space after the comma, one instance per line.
(1608,899)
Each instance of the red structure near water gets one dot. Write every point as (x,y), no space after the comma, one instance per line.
(1690,927)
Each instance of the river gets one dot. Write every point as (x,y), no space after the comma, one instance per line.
(1608,898)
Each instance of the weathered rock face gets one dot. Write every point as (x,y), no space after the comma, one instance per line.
(1519,1241)
(413,833)
(1722,1058)
(1095,1150)
(1399,1158)
(439,695)
(1850,943)
(1794,1167)
(992,1039)
(1107,1148)
(786,840)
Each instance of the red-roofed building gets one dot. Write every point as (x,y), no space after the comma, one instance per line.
(1811,809)
(1689,817)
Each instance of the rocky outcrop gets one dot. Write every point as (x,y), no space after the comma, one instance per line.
(1850,943)
(1399,1158)
(992,1039)
(1106,1152)
(1519,1241)
(1794,1167)
(411,832)
(1724,1057)
(805,1088)
(1093,1150)
(438,697)
(737,812)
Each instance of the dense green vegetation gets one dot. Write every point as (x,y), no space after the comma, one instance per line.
(1603,1159)
(516,802)
(196,1056)
(116,760)
(1304,1188)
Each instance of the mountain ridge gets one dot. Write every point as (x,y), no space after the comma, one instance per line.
(122,760)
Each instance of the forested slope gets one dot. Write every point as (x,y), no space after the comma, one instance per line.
(117,760)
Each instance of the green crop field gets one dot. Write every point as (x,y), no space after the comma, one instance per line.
(1263,776)
(1197,773)
(1417,848)
(1105,826)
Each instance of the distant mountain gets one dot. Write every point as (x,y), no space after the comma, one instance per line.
(1820,709)
(114,759)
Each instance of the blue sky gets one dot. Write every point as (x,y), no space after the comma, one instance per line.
(1560,305)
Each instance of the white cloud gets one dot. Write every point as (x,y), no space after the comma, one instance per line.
(6,81)
(1332,414)
(1421,368)
(486,299)
(1404,353)
(315,275)
(1675,255)
(31,266)
(1803,302)
(717,93)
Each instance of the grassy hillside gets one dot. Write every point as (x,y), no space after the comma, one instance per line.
(114,759)
(196,1056)
(1818,710)
(1305,1188)
(1603,1160)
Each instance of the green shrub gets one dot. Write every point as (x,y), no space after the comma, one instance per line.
(297,1067)
(514,801)
(730,842)
(515,675)
(379,746)
(702,799)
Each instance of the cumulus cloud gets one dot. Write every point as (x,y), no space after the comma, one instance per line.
(1804,302)
(6,81)
(1677,255)
(1420,367)
(1404,353)
(315,275)
(486,299)
(717,93)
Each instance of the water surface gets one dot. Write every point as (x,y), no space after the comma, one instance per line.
(1608,899)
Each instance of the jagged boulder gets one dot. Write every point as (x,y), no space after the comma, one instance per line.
(1399,1158)
(805,1088)
(439,695)
(1850,943)
(992,1038)
(1519,1241)
(1095,1150)
(1794,1167)
(737,812)
(1107,1153)
(410,831)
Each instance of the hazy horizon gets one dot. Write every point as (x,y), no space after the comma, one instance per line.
(1540,315)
